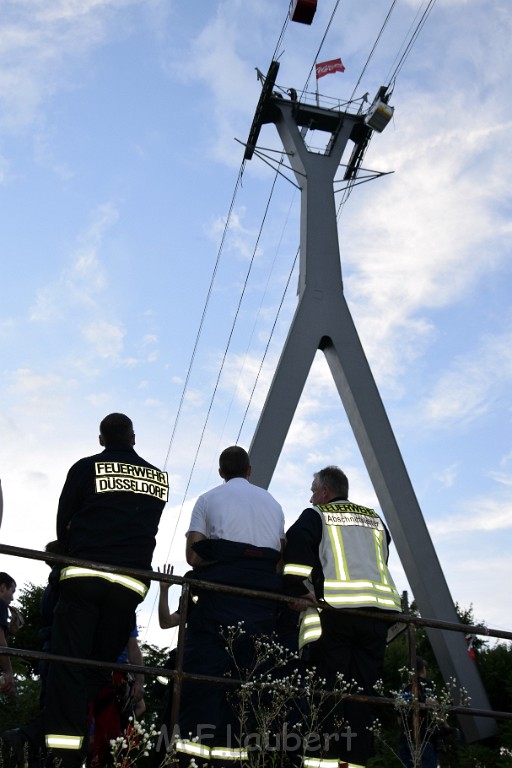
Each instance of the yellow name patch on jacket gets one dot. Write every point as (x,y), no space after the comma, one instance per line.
(350,514)
(114,476)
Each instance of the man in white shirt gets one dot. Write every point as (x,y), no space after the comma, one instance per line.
(236,510)
(236,536)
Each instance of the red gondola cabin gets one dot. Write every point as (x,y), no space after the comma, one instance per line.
(302,10)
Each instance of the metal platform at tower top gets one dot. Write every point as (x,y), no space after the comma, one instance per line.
(322,321)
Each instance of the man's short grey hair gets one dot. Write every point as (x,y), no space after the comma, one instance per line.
(335,479)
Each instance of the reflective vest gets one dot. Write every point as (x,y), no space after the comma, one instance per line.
(353,552)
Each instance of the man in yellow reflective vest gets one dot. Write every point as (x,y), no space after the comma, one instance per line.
(336,558)
(109,512)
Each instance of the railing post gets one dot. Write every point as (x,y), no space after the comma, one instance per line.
(415,686)
(180,651)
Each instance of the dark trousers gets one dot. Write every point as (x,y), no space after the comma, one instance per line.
(353,646)
(92,620)
(211,711)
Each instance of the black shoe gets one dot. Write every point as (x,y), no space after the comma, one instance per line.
(15,739)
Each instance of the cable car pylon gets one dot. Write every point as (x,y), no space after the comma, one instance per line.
(322,321)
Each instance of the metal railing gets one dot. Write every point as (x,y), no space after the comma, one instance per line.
(178,674)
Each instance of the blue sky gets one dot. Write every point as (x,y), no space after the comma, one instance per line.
(118,163)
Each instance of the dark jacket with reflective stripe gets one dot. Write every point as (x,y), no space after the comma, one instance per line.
(110,508)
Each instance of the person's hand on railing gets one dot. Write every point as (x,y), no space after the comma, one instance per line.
(303,603)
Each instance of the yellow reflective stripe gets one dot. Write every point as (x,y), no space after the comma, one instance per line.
(310,627)
(192,748)
(292,569)
(319,762)
(340,562)
(74,571)
(310,618)
(310,635)
(199,750)
(365,601)
(217,753)
(60,741)
(359,584)
(379,554)
(381,595)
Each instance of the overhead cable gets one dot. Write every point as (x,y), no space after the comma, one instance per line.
(414,37)
(212,280)
(267,346)
(333,13)
(203,315)
(383,27)
(228,344)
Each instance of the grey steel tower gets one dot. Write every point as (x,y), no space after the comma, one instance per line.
(322,321)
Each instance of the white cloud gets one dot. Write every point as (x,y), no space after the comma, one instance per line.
(418,245)
(42,45)
(107,339)
(79,284)
(98,399)
(28,381)
(4,169)
(239,238)
(484,513)
(218,58)
(448,475)
(503,475)
(469,388)
(6,326)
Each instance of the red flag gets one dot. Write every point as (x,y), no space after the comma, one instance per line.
(328,67)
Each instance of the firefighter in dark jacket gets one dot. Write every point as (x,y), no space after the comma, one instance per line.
(109,512)
(336,556)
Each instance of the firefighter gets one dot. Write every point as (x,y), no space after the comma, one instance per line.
(109,511)
(336,556)
(236,537)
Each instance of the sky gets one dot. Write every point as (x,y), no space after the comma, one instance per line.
(127,286)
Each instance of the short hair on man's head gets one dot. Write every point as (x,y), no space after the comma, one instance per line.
(117,428)
(54,547)
(234,462)
(6,579)
(335,479)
